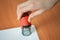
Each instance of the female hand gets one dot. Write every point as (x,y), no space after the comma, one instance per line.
(35,6)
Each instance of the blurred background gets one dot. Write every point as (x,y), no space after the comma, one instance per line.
(47,24)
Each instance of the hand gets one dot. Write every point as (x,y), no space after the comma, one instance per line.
(36,6)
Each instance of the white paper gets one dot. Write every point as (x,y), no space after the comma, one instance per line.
(15,34)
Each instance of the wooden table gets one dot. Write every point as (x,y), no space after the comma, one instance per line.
(8,16)
(47,24)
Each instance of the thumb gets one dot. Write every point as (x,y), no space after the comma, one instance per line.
(32,15)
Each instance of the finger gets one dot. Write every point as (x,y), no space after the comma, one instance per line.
(32,15)
(24,4)
(22,10)
(19,11)
(26,9)
(19,16)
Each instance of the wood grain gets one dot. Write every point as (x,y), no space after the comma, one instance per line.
(48,24)
(8,16)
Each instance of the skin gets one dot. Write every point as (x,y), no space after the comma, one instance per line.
(35,6)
